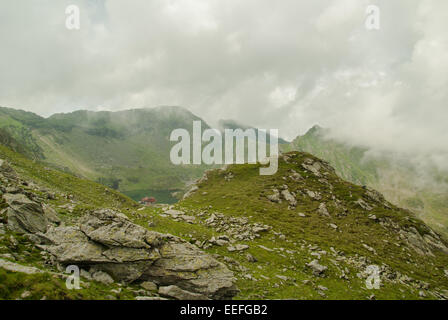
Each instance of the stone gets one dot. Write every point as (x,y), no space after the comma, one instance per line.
(15,267)
(85,274)
(323,210)
(284,278)
(149,298)
(251,258)
(275,197)
(332,225)
(313,166)
(24,215)
(180,294)
(102,277)
(322,288)
(51,214)
(108,241)
(148,285)
(289,197)
(364,205)
(192,190)
(317,268)
(241,247)
(265,248)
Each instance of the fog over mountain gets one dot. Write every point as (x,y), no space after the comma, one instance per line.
(286,65)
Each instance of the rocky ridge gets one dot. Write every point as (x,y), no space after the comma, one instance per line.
(109,247)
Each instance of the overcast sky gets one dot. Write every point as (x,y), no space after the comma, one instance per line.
(285,64)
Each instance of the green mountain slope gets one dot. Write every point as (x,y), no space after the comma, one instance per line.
(42,212)
(396,178)
(126,150)
(302,233)
(316,234)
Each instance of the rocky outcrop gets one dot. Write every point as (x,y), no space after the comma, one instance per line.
(24,215)
(109,242)
(108,247)
(177,293)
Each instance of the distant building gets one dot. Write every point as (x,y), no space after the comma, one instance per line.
(147,201)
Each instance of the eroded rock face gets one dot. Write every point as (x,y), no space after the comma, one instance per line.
(423,245)
(106,240)
(24,215)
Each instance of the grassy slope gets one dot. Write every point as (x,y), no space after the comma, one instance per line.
(354,230)
(88,195)
(398,182)
(130,147)
(249,201)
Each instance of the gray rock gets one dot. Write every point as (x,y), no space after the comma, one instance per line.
(102,277)
(192,190)
(251,258)
(317,268)
(313,166)
(148,285)
(14,267)
(323,210)
(364,205)
(24,215)
(180,294)
(289,197)
(51,214)
(275,197)
(149,298)
(85,274)
(111,243)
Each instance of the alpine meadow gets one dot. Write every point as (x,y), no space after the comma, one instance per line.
(223,159)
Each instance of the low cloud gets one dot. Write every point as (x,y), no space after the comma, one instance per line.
(286,65)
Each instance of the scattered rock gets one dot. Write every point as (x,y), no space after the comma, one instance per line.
(102,277)
(323,210)
(15,267)
(275,197)
(180,294)
(24,215)
(148,285)
(251,258)
(127,252)
(317,268)
(289,197)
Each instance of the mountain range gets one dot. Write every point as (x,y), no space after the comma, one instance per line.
(129,151)
(302,233)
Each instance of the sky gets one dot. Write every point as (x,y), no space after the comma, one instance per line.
(284,65)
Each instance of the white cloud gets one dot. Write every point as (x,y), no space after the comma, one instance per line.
(285,65)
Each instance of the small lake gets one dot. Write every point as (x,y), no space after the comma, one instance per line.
(161,196)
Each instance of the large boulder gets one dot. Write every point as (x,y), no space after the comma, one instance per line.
(108,241)
(24,215)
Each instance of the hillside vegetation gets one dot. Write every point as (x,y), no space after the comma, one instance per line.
(303,233)
(126,150)
(401,183)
